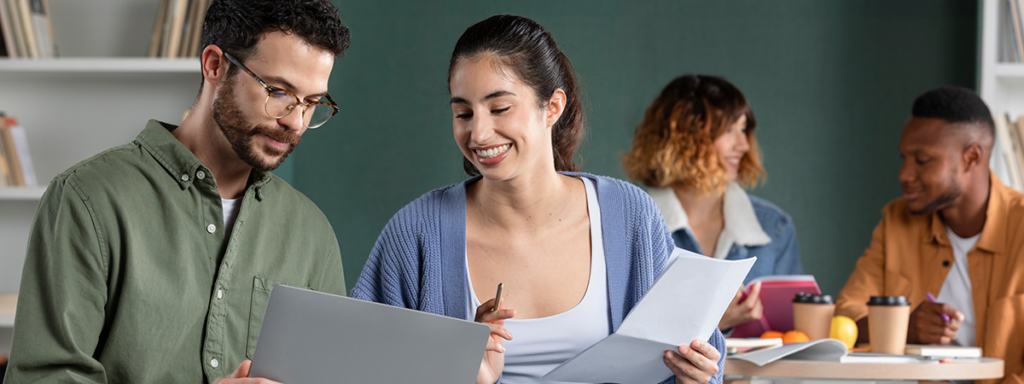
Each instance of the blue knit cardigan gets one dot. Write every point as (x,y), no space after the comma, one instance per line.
(419,260)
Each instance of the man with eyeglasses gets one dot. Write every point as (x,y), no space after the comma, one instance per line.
(153,261)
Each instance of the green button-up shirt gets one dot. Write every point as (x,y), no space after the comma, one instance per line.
(129,277)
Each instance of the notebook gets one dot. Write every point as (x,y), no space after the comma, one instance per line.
(777,294)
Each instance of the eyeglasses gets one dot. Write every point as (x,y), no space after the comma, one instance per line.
(281,103)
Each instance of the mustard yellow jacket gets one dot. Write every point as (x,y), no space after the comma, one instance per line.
(910,255)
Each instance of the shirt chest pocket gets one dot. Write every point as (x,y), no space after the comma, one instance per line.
(261,288)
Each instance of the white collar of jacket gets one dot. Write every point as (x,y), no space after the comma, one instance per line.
(741,224)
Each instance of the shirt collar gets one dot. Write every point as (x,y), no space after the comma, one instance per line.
(179,162)
(741,224)
(993,233)
(671,209)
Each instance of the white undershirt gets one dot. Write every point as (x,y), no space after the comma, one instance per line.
(540,345)
(956,290)
(230,208)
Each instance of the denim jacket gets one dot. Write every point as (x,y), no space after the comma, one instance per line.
(753,227)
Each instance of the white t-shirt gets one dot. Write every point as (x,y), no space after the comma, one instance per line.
(956,290)
(230,208)
(540,345)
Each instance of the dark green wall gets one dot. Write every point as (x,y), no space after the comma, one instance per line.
(831,83)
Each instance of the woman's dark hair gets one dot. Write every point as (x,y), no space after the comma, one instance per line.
(237,25)
(524,47)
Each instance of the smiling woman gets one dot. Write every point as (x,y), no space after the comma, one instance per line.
(694,150)
(537,65)
(526,220)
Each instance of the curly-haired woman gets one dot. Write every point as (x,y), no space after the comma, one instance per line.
(694,150)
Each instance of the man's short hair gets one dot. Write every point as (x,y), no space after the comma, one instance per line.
(237,25)
(955,105)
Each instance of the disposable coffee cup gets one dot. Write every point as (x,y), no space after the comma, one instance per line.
(812,314)
(888,317)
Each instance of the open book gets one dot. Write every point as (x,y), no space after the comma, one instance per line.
(684,304)
(823,350)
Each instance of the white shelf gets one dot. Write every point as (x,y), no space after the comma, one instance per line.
(21,193)
(1008,71)
(100,65)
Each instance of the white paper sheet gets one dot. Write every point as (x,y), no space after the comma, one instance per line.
(684,304)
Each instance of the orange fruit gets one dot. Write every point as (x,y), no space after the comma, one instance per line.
(844,329)
(794,337)
(771,335)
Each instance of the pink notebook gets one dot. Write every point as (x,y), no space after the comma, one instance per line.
(777,294)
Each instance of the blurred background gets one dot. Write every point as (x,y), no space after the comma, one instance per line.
(830,82)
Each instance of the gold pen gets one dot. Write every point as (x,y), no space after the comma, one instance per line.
(497,298)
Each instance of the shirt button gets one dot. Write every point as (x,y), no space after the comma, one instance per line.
(220,293)
(200,175)
(214,363)
(211,228)
(184,177)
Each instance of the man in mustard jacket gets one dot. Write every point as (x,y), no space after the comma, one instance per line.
(957,233)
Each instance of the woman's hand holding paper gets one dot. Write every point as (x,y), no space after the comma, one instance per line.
(694,364)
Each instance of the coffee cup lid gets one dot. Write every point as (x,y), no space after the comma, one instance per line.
(895,301)
(812,298)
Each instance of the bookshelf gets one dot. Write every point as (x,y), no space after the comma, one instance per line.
(1001,84)
(98,94)
(27,194)
(98,65)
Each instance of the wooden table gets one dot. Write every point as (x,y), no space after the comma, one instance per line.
(966,369)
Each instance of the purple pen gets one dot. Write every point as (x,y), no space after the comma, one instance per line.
(945,317)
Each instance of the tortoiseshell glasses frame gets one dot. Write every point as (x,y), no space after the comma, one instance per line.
(281,102)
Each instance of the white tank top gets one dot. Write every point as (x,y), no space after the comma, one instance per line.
(542,344)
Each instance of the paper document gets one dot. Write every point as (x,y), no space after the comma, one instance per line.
(684,304)
(822,350)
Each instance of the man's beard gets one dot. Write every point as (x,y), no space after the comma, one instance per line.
(944,200)
(233,124)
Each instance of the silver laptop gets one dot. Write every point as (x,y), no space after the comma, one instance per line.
(315,337)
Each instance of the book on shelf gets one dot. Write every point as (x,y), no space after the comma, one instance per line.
(8,304)
(158,28)
(1011,31)
(197,28)
(14,18)
(14,177)
(28,171)
(10,46)
(25,11)
(176,22)
(43,29)
(27,29)
(17,157)
(1010,142)
(186,30)
(5,170)
(177,28)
